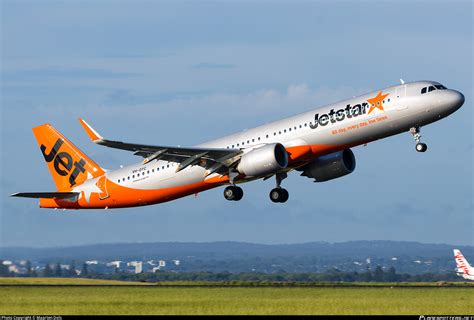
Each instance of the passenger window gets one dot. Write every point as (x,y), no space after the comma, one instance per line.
(253,140)
(267,136)
(232,146)
(301,126)
(128,178)
(423,90)
(431,88)
(289,129)
(258,138)
(305,124)
(284,131)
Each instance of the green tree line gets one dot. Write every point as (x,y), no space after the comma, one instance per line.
(332,275)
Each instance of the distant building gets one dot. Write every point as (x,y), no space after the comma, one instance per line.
(176,262)
(138,266)
(162,263)
(115,264)
(92,262)
(13,268)
(151,263)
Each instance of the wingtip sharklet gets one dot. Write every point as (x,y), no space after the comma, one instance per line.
(93,135)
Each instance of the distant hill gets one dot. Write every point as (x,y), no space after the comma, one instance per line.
(229,256)
(235,250)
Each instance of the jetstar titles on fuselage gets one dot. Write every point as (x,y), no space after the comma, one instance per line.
(347,112)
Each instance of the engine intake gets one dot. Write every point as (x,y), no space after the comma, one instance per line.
(330,166)
(261,161)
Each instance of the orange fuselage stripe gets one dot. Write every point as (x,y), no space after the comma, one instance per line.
(121,197)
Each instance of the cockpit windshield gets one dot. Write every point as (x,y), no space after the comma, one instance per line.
(433,88)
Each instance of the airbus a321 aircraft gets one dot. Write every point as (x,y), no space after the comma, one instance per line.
(463,268)
(316,143)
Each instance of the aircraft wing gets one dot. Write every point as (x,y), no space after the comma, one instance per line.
(214,159)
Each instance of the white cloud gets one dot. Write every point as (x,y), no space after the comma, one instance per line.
(297,91)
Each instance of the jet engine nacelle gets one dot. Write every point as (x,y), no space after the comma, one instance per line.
(263,160)
(330,166)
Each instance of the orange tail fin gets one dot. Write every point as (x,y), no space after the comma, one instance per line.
(68,165)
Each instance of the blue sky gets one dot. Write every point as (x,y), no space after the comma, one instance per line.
(186,72)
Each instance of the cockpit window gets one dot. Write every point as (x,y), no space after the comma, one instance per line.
(433,88)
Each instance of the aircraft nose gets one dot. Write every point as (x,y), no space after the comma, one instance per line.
(456,99)
(450,100)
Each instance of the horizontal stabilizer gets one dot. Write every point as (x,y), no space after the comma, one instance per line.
(49,195)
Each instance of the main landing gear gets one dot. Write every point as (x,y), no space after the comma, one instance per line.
(233,193)
(420,147)
(279,194)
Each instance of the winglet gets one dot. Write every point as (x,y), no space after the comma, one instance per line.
(94,135)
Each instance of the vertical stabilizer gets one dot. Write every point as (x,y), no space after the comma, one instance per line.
(461,263)
(68,165)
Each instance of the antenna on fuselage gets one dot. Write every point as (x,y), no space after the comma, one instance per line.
(402,82)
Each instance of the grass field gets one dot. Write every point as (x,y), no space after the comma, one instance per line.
(197,300)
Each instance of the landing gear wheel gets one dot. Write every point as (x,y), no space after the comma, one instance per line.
(233,193)
(421,147)
(279,195)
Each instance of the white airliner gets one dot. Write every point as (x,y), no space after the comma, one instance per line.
(316,143)
(463,268)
